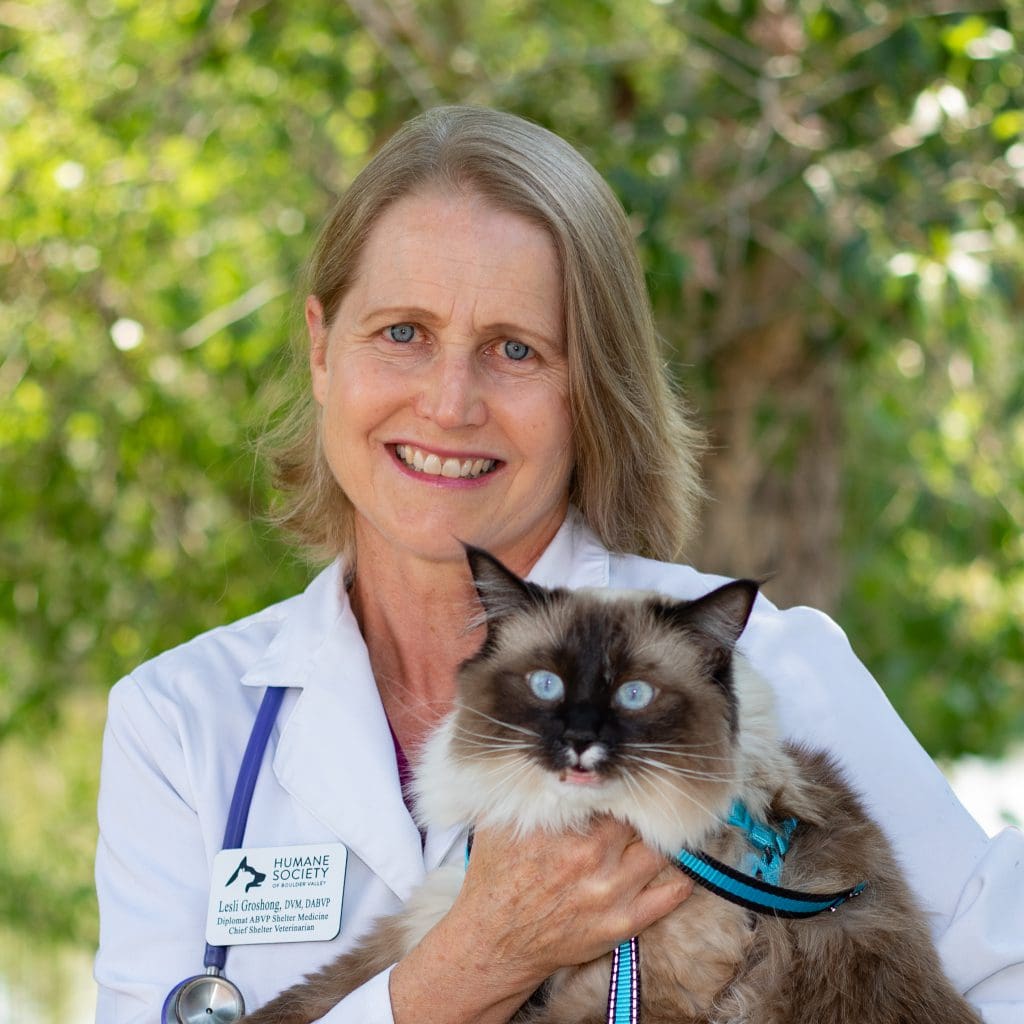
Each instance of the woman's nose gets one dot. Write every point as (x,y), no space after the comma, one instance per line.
(451,395)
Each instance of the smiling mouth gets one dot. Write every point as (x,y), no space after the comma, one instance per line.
(433,465)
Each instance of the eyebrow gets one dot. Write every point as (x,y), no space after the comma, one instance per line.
(400,313)
(431,318)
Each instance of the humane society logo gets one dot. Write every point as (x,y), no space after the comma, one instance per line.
(289,872)
(258,877)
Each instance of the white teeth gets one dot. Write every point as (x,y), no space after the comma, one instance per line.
(434,465)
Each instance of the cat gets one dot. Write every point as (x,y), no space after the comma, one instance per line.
(646,698)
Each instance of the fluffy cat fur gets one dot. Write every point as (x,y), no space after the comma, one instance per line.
(672,770)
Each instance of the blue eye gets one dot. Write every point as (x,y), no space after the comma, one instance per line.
(634,695)
(401,332)
(516,350)
(546,685)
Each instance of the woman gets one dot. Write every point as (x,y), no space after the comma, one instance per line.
(483,369)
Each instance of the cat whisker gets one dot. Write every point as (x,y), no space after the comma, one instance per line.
(651,780)
(480,741)
(512,750)
(498,721)
(676,748)
(677,770)
(462,727)
(507,773)
(694,776)
(489,753)
(656,792)
(678,753)
(660,781)
(683,756)
(686,773)
(483,739)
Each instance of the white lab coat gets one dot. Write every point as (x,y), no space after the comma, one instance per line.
(178,725)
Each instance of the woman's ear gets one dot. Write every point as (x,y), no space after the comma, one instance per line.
(317,330)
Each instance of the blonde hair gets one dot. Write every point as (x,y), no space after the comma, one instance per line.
(636,478)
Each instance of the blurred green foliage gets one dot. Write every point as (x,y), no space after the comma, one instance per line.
(163,166)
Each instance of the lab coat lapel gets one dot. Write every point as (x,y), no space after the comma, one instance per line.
(335,755)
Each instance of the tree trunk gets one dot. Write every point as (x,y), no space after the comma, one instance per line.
(773,468)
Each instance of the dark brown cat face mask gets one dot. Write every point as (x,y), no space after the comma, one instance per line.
(600,702)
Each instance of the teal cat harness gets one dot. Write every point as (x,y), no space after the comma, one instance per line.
(757,890)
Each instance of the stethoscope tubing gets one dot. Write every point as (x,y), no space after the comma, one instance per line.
(221,999)
(245,785)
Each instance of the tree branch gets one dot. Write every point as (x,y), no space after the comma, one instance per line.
(380,25)
(232,312)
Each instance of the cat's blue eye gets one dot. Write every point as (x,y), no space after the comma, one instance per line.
(401,332)
(516,350)
(546,685)
(634,695)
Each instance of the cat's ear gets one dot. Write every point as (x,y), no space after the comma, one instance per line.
(723,613)
(500,590)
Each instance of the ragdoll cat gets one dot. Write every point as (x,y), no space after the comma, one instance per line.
(644,699)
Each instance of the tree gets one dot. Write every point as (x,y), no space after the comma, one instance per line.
(827,197)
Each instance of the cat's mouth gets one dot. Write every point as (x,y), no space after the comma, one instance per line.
(580,777)
(584,768)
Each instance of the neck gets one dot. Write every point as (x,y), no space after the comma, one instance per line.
(413,612)
(413,617)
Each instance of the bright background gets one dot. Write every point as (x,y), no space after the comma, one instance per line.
(827,197)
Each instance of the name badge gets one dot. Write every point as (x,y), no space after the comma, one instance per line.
(276,894)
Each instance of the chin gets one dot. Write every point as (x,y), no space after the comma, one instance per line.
(437,540)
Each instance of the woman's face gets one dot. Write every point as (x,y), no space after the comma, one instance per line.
(443,381)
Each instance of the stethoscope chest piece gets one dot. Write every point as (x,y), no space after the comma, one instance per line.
(204,999)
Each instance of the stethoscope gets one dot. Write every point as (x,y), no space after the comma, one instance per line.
(211,998)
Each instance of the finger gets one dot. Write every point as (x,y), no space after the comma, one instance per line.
(655,901)
(639,858)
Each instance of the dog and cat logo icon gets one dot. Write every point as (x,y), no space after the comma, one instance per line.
(258,877)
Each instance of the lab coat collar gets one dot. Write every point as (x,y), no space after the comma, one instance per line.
(575,558)
(334,746)
(338,729)
(309,620)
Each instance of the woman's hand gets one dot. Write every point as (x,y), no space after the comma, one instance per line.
(527,907)
(551,901)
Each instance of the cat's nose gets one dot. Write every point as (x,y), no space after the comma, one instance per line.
(588,756)
(579,739)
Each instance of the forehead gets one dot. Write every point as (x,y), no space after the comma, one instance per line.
(621,634)
(439,251)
